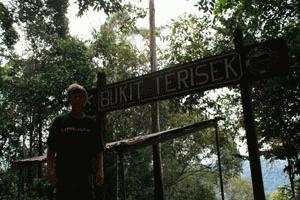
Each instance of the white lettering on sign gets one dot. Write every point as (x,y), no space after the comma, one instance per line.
(104,98)
(179,80)
(228,67)
(168,82)
(182,77)
(203,77)
(214,70)
(120,94)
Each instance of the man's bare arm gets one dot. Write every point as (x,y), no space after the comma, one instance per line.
(52,179)
(100,170)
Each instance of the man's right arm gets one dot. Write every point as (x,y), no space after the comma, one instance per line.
(52,148)
(52,179)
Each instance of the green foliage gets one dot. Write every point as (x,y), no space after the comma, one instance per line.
(32,92)
(189,40)
(57,10)
(8,185)
(9,35)
(275,100)
(192,188)
(43,20)
(206,5)
(280,125)
(262,18)
(239,188)
(108,6)
(114,54)
(279,194)
(139,174)
(33,87)
(112,50)
(192,38)
(285,192)
(195,155)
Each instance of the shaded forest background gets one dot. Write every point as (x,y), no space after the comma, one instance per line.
(32,92)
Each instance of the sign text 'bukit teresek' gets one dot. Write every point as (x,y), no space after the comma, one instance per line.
(200,75)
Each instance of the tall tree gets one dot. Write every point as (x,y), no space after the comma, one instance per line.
(157,160)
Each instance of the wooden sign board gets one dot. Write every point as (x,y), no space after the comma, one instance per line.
(267,59)
(213,72)
(200,75)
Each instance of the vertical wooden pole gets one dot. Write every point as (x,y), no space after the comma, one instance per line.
(101,126)
(158,181)
(219,160)
(255,167)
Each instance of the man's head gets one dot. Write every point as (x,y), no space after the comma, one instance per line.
(76,88)
(77,96)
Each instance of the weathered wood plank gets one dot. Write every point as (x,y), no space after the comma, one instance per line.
(30,161)
(138,141)
(159,137)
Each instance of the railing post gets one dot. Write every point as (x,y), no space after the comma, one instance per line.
(219,160)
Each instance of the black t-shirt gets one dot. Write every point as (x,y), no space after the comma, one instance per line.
(76,143)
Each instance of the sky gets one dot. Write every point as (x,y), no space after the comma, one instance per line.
(165,11)
(82,27)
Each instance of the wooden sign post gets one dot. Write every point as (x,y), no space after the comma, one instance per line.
(101,125)
(255,167)
(238,66)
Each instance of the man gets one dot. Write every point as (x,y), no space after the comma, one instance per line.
(73,147)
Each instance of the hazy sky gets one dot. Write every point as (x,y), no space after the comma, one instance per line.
(165,10)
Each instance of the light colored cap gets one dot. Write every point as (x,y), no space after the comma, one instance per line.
(76,88)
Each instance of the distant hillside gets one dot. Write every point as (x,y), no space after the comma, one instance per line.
(273,174)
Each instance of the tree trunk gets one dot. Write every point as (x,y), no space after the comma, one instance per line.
(158,183)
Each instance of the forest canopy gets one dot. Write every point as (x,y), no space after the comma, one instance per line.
(33,91)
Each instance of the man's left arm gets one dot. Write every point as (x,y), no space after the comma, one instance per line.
(100,170)
(99,149)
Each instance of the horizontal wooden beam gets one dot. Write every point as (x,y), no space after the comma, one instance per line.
(138,141)
(159,137)
(30,161)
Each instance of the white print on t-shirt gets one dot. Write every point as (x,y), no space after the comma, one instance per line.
(73,130)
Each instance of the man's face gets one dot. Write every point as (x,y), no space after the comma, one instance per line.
(77,101)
